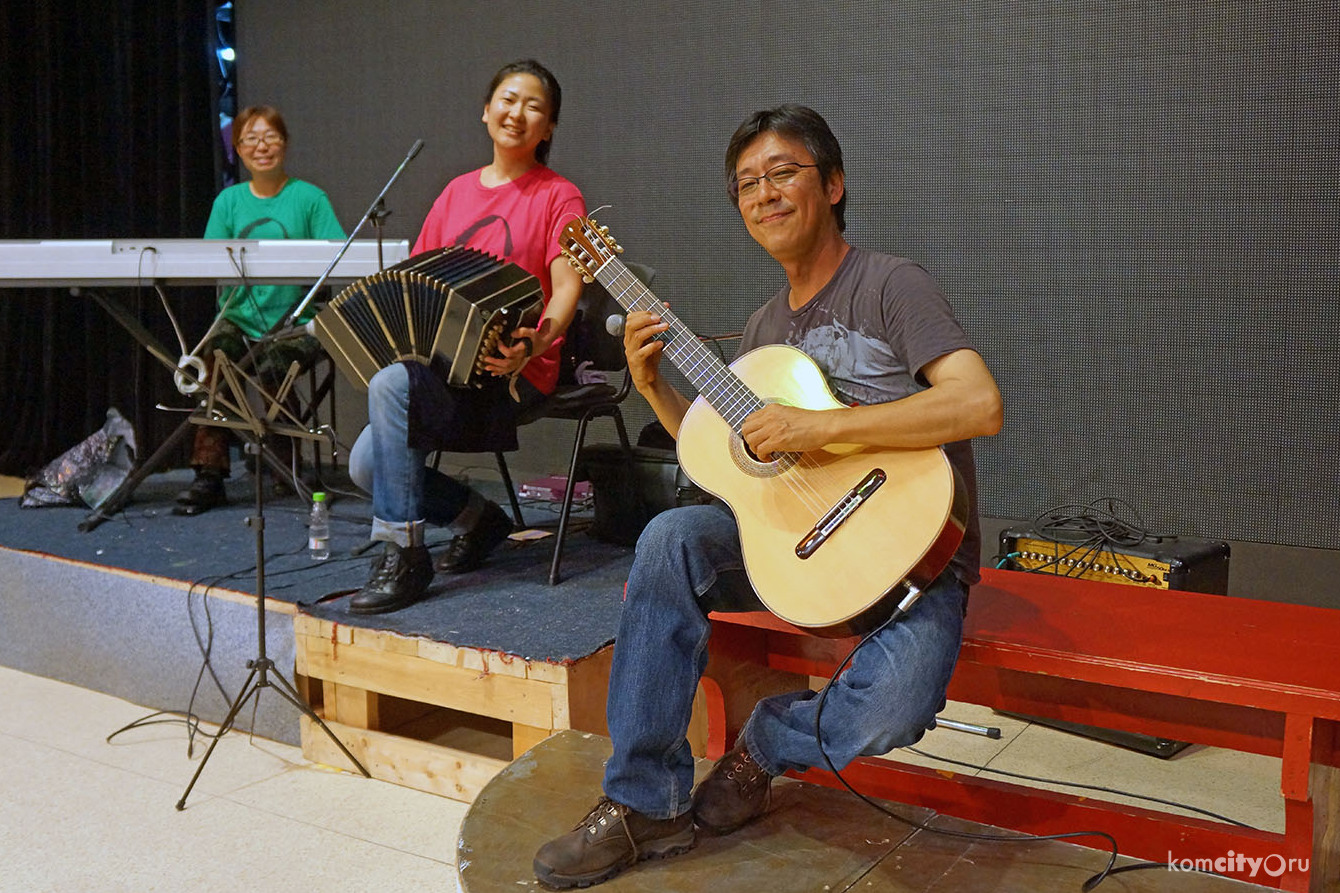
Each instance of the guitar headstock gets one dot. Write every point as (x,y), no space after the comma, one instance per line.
(587,246)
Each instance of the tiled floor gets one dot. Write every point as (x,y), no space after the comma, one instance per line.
(80,814)
(1238,786)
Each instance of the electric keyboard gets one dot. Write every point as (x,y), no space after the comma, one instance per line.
(112,262)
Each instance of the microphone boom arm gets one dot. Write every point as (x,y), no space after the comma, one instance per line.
(372,208)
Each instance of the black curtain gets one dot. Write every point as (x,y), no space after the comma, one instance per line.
(109,130)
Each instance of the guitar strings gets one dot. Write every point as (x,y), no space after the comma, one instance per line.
(726,392)
(730,396)
(734,399)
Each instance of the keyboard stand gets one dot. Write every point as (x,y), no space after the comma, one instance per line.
(117,499)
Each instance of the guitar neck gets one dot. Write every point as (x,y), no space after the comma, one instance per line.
(733,400)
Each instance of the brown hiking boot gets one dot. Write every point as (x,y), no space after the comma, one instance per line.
(611,838)
(733,794)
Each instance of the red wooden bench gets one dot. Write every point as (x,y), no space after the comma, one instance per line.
(1253,676)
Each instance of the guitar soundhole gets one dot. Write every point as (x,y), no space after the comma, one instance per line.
(751,465)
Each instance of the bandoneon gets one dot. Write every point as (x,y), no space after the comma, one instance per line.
(448,308)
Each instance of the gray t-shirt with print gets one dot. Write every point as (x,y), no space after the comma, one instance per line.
(871,329)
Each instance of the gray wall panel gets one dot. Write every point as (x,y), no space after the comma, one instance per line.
(1131,205)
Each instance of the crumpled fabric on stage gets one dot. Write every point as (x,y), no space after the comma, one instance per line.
(87,473)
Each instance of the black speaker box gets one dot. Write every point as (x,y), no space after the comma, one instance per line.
(1168,562)
(1160,562)
(628,494)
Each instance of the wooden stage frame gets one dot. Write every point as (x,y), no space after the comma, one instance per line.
(379,691)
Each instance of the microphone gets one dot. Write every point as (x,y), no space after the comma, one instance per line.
(414,150)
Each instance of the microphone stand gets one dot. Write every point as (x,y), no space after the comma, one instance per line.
(378,218)
(376,211)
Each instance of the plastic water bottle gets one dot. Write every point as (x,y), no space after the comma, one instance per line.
(318,528)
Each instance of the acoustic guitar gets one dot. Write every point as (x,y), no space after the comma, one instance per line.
(833,537)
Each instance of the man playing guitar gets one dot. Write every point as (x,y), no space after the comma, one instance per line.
(905,378)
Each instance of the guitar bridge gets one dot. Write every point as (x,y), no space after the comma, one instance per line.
(839,513)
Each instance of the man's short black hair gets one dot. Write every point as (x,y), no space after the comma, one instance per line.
(799,122)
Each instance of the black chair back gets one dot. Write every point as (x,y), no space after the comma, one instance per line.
(589,338)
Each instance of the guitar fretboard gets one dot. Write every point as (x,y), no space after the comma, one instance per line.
(733,400)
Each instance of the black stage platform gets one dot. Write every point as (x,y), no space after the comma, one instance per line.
(133,607)
(507,605)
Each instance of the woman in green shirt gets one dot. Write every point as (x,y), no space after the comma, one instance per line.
(270,205)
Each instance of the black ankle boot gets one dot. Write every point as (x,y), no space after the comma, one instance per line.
(206,492)
(399,579)
(468,550)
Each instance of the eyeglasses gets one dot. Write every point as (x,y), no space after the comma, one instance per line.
(253,140)
(780,177)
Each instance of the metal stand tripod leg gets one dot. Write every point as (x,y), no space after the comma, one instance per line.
(257,679)
(262,668)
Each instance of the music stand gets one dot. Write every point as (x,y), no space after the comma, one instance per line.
(117,499)
(232,410)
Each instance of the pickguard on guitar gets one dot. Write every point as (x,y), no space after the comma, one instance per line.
(828,535)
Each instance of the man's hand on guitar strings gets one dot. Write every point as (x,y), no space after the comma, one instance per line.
(777,428)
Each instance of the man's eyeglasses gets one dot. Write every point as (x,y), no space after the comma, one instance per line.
(780,177)
(252,140)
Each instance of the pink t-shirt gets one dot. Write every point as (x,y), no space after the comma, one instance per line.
(518,222)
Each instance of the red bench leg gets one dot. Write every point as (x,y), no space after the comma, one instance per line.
(737,676)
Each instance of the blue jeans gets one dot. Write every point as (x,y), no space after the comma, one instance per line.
(688,563)
(405,492)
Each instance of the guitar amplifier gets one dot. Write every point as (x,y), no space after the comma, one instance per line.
(1168,562)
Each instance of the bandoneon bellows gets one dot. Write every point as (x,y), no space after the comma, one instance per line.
(448,307)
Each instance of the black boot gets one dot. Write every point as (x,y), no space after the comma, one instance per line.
(468,550)
(206,492)
(399,579)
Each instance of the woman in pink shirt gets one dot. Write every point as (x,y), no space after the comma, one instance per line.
(513,208)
